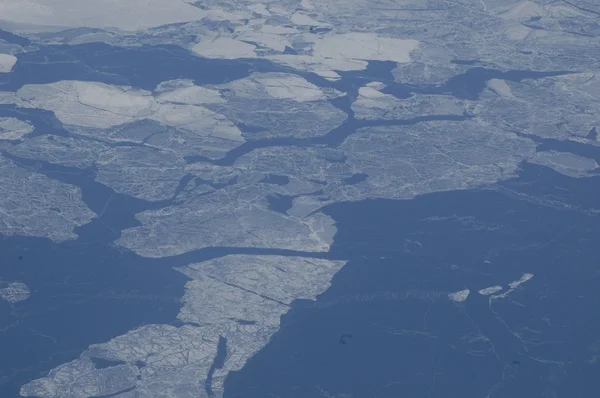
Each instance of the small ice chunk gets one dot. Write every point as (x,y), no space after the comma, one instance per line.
(490,290)
(7,61)
(459,296)
(524,278)
(15,292)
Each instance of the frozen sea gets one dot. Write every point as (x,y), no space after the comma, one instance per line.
(237,203)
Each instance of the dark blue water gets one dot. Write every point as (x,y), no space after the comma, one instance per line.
(408,339)
(88,291)
(13,39)
(218,363)
(142,67)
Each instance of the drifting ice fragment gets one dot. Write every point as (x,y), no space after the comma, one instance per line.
(15,292)
(521,280)
(459,296)
(7,61)
(490,290)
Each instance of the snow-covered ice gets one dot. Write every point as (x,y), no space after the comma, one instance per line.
(14,129)
(7,61)
(459,296)
(15,292)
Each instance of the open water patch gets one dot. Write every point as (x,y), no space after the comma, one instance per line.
(411,337)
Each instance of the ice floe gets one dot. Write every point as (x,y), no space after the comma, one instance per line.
(7,61)
(224,47)
(300,18)
(372,104)
(279,105)
(500,87)
(559,107)
(405,161)
(322,54)
(565,163)
(128,16)
(94,108)
(231,217)
(524,278)
(140,172)
(64,151)
(15,292)
(185,92)
(14,129)
(490,290)
(89,104)
(399,162)
(365,46)
(512,286)
(278,85)
(32,204)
